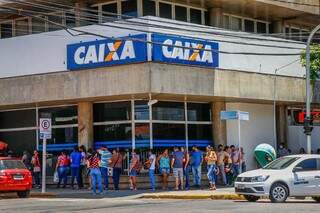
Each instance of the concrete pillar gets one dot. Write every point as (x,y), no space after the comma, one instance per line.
(216,17)
(277,26)
(140,8)
(85,124)
(79,5)
(281,120)
(219,127)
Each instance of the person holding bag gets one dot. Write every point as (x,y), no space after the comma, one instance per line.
(116,165)
(36,168)
(150,164)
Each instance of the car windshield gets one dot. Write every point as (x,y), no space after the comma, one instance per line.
(281,163)
(11,164)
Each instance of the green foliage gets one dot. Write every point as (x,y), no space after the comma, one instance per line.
(314,62)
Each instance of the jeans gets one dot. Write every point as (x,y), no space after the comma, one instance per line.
(152,179)
(116,177)
(186,172)
(104,173)
(236,170)
(63,176)
(96,179)
(36,176)
(244,167)
(212,173)
(196,172)
(75,174)
(82,168)
(223,174)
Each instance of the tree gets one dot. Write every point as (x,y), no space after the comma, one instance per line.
(314,62)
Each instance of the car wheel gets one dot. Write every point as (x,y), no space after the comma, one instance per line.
(317,199)
(251,198)
(24,194)
(278,193)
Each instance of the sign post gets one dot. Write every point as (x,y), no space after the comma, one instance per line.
(45,133)
(239,116)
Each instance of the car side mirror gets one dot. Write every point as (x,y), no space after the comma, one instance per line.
(297,169)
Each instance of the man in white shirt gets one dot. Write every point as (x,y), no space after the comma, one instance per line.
(152,164)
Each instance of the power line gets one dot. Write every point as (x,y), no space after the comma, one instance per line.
(82,32)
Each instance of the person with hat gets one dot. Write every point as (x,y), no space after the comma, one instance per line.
(211,159)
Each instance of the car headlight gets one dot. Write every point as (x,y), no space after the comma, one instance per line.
(260,178)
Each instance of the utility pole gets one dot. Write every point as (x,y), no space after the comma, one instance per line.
(308,120)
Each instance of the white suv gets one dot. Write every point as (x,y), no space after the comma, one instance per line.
(294,176)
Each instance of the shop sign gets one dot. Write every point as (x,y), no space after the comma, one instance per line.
(107,52)
(234,115)
(178,50)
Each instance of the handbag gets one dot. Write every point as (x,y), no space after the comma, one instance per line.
(36,169)
(56,177)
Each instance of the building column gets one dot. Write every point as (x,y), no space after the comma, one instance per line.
(85,124)
(216,17)
(140,8)
(277,26)
(281,114)
(79,12)
(219,127)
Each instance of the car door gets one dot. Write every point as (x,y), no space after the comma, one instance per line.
(306,178)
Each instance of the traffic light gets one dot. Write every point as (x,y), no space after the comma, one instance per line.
(308,125)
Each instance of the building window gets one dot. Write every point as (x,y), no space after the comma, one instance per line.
(141,110)
(261,27)
(226,22)
(13,119)
(236,24)
(20,141)
(195,16)
(38,25)
(6,30)
(249,26)
(117,111)
(21,27)
(165,10)
(199,112)
(70,19)
(129,8)
(142,135)
(168,135)
(60,115)
(109,11)
(200,132)
(149,8)
(180,13)
(168,111)
(57,18)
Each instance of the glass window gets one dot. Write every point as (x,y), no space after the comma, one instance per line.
(149,8)
(6,30)
(38,25)
(22,27)
(200,132)
(168,131)
(92,16)
(226,23)
(109,11)
(261,27)
(70,19)
(118,111)
(18,119)
(141,110)
(236,24)
(142,135)
(195,16)
(287,32)
(181,13)
(19,141)
(168,111)
(308,165)
(60,115)
(295,33)
(281,163)
(206,18)
(199,112)
(129,8)
(56,18)
(165,10)
(62,138)
(113,132)
(249,26)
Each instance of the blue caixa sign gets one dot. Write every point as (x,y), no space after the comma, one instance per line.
(107,52)
(173,49)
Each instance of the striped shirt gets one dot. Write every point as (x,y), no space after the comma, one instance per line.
(105,157)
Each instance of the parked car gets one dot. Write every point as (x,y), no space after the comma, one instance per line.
(290,176)
(15,177)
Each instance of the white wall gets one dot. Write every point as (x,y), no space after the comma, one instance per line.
(46,52)
(259,129)
(297,139)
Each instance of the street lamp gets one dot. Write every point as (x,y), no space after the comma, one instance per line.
(307,120)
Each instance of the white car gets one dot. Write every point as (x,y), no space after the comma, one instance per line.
(290,176)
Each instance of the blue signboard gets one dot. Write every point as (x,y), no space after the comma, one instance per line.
(229,115)
(172,49)
(107,52)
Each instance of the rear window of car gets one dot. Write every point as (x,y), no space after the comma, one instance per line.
(11,164)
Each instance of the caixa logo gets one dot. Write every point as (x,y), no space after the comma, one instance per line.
(106,53)
(185,51)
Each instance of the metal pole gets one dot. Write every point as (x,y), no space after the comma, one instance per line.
(274,111)
(239,141)
(44,164)
(308,86)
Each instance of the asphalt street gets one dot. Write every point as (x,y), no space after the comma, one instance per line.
(128,205)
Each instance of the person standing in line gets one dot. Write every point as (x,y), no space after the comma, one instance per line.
(62,168)
(163,162)
(89,155)
(243,161)
(133,170)
(105,160)
(151,165)
(220,162)
(75,159)
(95,173)
(228,166)
(235,157)
(211,159)
(177,165)
(197,160)
(36,168)
(186,167)
(26,159)
(116,164)
(82,150)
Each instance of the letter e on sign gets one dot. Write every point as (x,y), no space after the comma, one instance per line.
(45,128)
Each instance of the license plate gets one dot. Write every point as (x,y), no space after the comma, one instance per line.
(18,177)
(240,186)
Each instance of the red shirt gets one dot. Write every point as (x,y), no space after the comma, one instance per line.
(94,162)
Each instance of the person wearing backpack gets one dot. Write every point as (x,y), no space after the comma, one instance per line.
(133,170)
(62,168)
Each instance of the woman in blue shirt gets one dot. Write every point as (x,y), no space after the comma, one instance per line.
(163,163)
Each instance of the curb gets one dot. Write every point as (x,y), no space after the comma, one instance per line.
(196,197)
(43,195)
